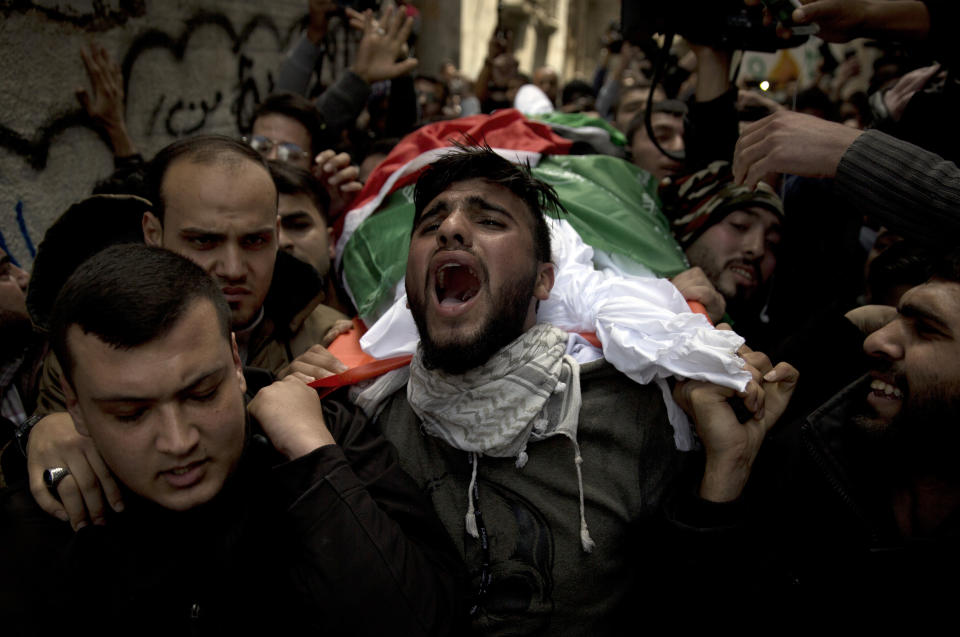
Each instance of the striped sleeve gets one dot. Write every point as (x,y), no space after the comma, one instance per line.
(910,190)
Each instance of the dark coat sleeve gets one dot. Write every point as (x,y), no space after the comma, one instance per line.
(367,537)
(710,130)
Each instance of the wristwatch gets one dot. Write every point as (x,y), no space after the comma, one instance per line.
(22,434)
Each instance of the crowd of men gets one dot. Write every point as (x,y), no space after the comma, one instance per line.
(170,465)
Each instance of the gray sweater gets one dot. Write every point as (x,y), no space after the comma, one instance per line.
(542,581)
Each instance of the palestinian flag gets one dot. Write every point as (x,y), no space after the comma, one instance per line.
(611,203)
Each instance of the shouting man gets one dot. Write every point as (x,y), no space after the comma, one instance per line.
(544,463)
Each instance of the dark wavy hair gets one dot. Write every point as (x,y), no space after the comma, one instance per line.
(481,162)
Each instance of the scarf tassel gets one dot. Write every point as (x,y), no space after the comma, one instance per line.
(585,540)
(471,518)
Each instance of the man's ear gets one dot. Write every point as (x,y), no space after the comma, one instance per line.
(545,279)
(152,230)
(331,246)
(73,407)
(237,363)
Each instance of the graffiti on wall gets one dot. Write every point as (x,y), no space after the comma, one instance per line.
(179,115)
(207,76)
(25,235)
(98,15)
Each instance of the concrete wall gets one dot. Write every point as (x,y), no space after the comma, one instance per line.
(563,34)
(189,66)
(439,35)
(478,19)
(587,20)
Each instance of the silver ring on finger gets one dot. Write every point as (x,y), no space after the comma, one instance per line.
(52,478)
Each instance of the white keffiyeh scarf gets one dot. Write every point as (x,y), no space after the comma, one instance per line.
(527,392)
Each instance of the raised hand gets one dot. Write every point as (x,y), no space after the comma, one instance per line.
(104,102)
(382,43)
(340,179)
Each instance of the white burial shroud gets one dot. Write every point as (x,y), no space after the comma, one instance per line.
(644,324)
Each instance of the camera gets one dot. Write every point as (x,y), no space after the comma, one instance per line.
(723,24)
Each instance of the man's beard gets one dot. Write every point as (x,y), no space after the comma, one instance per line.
(923,438)
(741,301)
(503,326)
(926,433)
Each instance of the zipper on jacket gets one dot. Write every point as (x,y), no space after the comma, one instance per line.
(825,466)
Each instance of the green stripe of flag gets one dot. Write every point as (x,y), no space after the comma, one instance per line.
(611,203)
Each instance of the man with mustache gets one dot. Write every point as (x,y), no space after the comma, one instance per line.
(862,496)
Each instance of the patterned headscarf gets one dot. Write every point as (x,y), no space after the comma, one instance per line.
(695,202)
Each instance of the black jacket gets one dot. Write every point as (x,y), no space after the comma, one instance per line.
(336,542)
(816,525)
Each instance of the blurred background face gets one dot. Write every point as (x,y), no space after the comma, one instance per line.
(547,81)
(285,138)
(668,129)
(304,233)
(633,101)
(430,96)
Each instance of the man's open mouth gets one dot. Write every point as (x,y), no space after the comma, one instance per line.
(744,270)
(185,475)
(883,389)
(456,283)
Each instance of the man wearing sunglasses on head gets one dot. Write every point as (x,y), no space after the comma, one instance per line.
(288,128)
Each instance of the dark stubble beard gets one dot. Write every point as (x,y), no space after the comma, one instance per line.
(925,435)
(509,314)
(922,439)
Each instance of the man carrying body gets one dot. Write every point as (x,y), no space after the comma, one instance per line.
(544,463)
(222,532)
(216,204)
(862,496)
